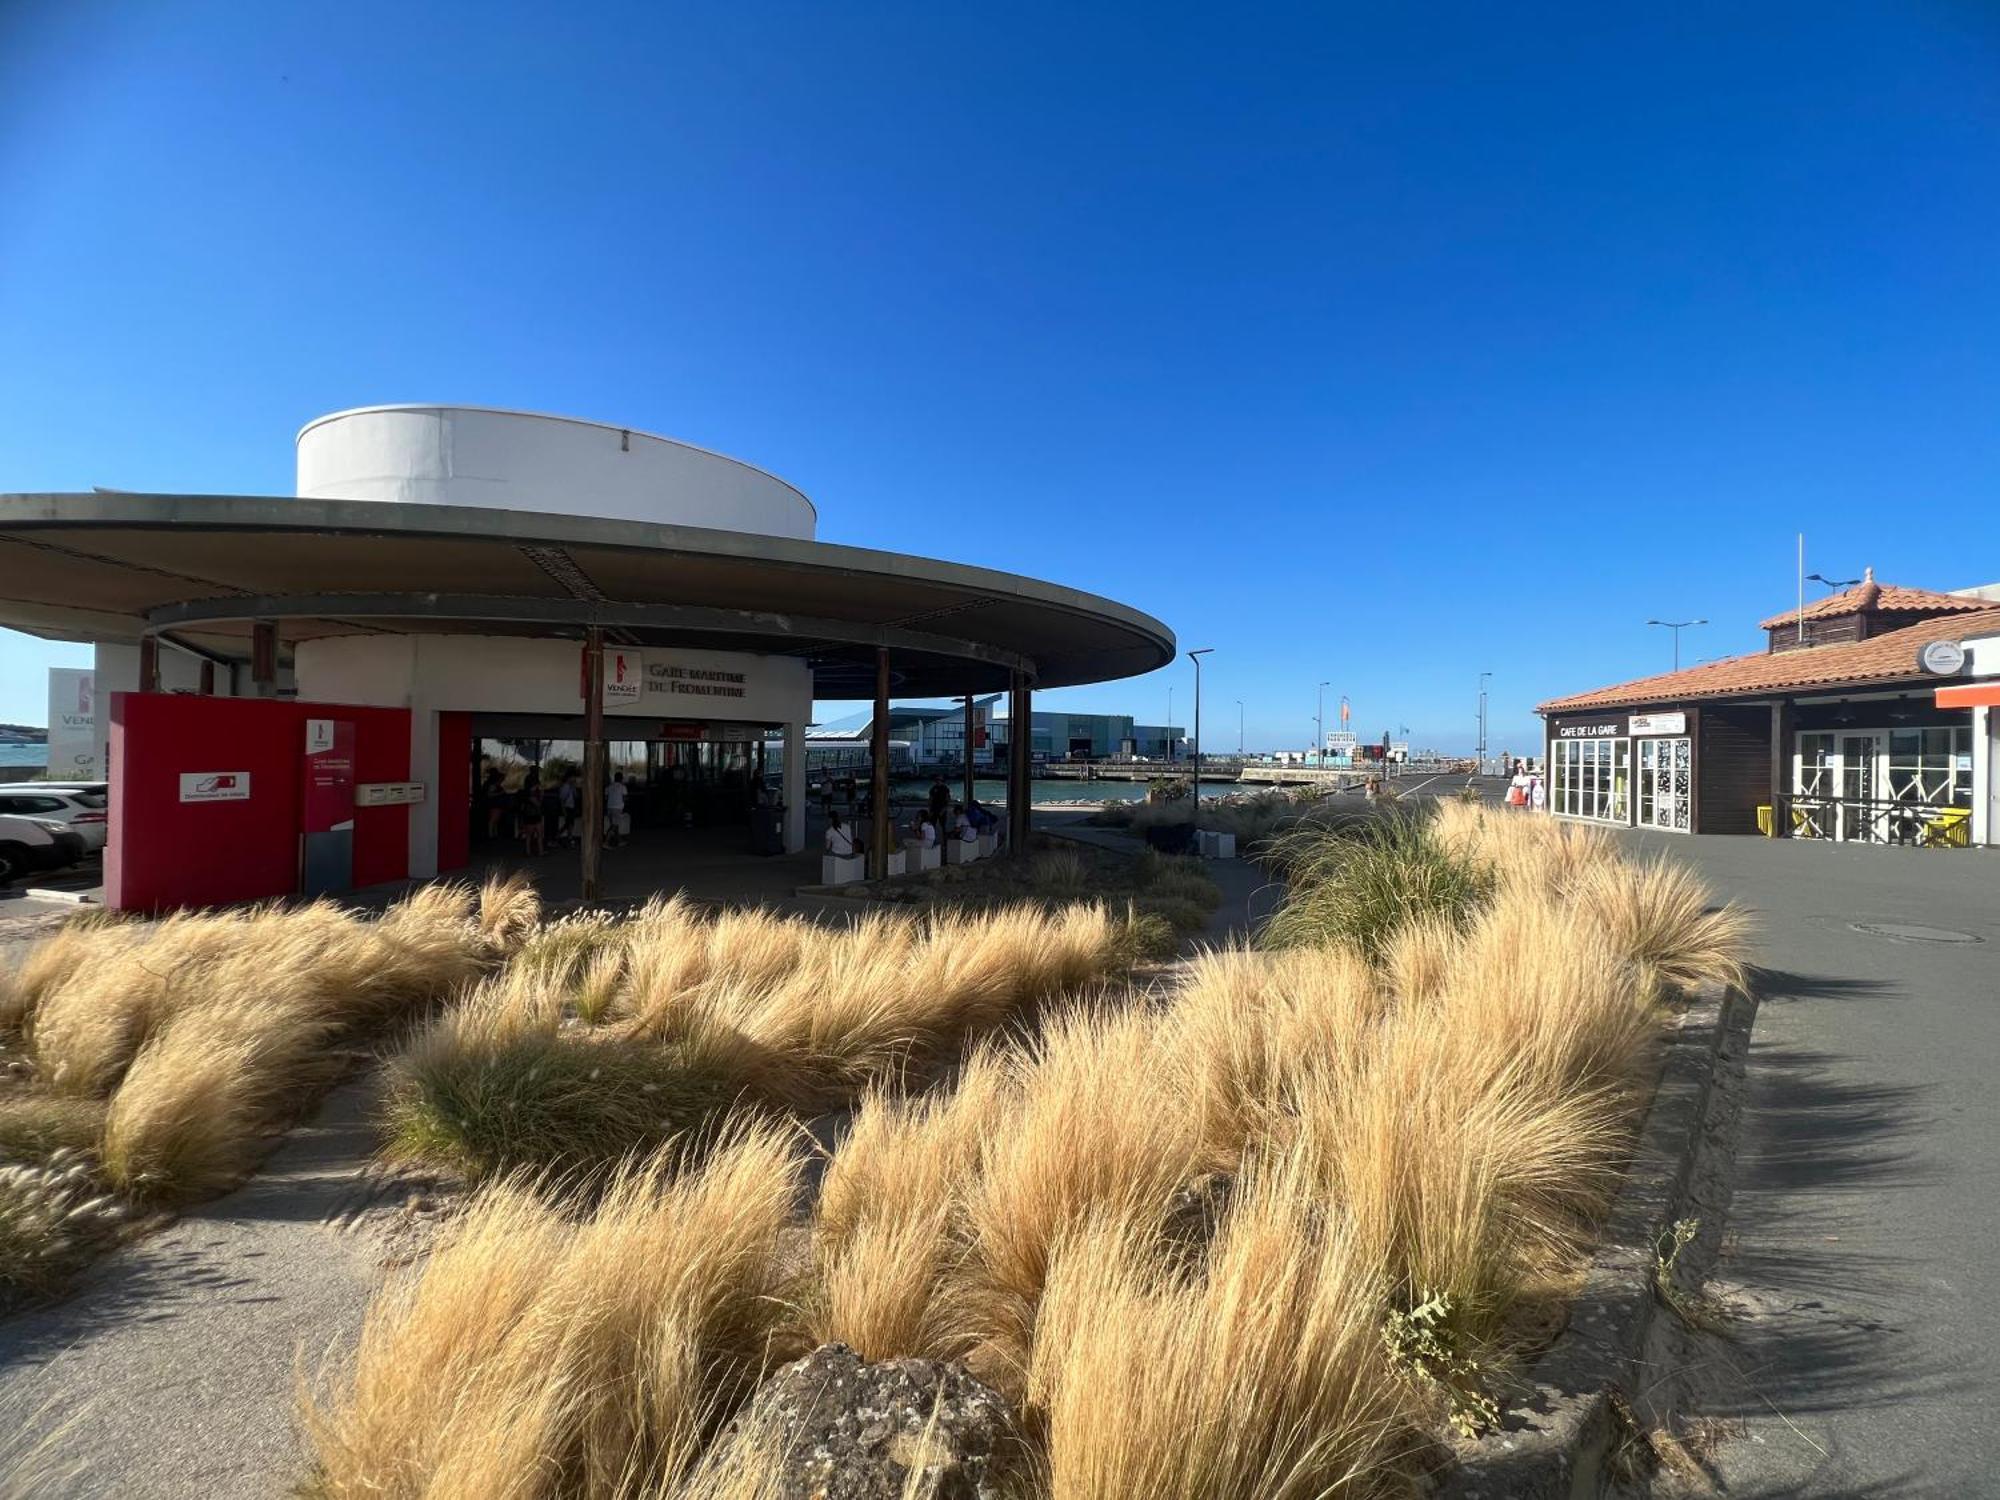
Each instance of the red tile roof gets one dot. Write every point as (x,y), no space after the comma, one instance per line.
(1881,658)
(1875,598)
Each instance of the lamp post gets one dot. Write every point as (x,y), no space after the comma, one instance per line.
(1836,584)
(1169,736)
(1195,657)
(1239,728)
(1482,722)
(1319,728)
(1677,626)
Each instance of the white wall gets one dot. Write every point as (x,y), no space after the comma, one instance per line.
(116,668)
(1983,661)
(520,461)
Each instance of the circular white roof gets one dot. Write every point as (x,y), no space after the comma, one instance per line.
(525,461)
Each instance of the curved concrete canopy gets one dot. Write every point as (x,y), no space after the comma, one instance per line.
(201,568)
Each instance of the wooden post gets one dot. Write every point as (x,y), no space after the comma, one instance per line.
(591,836)
(149,664)
(968,751)
(1781,768)
(1020,762)
(878,757)
(264,658)
(208,679)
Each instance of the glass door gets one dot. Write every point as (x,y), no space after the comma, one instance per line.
(1664,783)
(1858,772)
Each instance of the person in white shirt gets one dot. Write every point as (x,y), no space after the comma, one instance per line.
(1519,787)
(840,840)
(967,834)
(617,821)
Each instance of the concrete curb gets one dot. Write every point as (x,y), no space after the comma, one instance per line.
(1555,1441)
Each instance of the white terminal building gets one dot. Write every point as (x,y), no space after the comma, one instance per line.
(470,566)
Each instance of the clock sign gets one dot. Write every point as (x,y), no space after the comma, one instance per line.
(1941,658)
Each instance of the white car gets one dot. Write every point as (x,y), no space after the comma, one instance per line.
(30,844)
(82,811)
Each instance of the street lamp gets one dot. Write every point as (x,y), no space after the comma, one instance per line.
(1195,657)
(1319,727)
(1239,728)
(1677,626)
(1170,721)
(1836,584)
(1482,723)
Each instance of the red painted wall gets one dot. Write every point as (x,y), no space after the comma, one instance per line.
(452,791)
(166,853)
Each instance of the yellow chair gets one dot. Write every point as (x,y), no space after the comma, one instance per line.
(1948,828)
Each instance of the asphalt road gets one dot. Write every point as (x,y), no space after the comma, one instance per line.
(1864,1230)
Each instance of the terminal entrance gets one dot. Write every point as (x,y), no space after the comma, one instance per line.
(693,785)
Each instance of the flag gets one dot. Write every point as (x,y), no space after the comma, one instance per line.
(1346,713)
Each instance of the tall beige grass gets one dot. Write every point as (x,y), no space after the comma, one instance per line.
(542,1354)
(206,1033)
(1178,1231)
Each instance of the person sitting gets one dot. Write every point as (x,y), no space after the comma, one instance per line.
(841,841)
(925,831)
(983,821)
(963,828)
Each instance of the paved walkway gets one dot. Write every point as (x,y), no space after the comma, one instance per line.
(174,1362)
(1866,1215)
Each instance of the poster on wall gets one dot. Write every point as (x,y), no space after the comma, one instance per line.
(624,677)
(326,855)
(73,752)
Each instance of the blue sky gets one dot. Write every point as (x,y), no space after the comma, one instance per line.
(1371,344)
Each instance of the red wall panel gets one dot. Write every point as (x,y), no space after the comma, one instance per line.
(452,792)
(166,853)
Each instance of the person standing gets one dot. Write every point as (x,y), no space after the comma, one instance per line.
(940,800)
(1519,787)
(617,821)
(572,804)
(528,814)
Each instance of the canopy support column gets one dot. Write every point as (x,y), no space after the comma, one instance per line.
(264,658)
(591,835)
(878,758)
(1020,761)
(966,800)
(1781,768)
(149,664)
(793,790)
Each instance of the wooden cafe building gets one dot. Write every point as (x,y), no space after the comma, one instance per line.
(1869,717)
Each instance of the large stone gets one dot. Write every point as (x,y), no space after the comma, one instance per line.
(850,1430)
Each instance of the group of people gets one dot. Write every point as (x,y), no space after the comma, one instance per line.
(940,818)
(552,810)
(1525,792)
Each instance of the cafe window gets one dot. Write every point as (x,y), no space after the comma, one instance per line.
(1931,766)
(1593,779)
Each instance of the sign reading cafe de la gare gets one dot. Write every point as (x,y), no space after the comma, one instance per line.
(1638,724)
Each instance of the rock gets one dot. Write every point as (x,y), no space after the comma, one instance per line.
(850,1430)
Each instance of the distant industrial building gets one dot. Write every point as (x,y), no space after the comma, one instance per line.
(935,733)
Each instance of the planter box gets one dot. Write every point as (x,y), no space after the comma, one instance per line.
(917,858)
(959,852)
(834,870)
(1217,845)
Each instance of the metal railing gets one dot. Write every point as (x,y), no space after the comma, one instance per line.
(1869,820)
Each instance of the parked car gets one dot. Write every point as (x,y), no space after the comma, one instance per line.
(83,812)
(31,844)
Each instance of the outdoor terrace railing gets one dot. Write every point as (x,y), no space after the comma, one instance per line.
(1866,820)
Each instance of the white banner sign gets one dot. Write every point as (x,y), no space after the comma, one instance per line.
(73,752)
(215,786)
(1660,723)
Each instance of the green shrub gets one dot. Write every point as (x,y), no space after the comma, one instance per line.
(562,1102)
(35,1125)
(1355,885)
(1178,877)
(1184,916)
